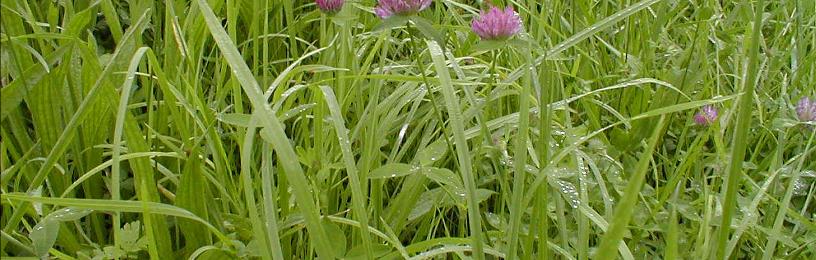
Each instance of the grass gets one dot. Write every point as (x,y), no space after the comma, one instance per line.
(267,129)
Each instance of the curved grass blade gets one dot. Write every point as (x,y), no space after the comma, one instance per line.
(119,206)
(462,150)
(358,200)
(623,212)
(280,142)
(740,138)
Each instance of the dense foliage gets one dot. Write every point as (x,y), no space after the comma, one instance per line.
(390,129)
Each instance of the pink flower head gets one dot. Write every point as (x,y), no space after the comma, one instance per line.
(806,109)
(330,6)
(388,8)
(496,24)
(706,116)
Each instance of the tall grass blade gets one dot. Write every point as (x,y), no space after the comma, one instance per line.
(462,149)
(280,142)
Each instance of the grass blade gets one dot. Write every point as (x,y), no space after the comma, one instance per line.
(740,139)
(280,142)
(462,150)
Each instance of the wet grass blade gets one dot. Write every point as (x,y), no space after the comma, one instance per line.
(742,126)
(280,142)
(623,211)
(462,150)
(358,196)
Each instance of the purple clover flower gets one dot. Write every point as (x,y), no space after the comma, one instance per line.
(388,8)
(330,6)
(806,109)
(496,24)
(706,116)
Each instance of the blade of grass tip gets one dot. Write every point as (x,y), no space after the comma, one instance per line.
(249,191)
(740,139)
(462,149)
(117,138)
(358,197)
(623,212)
(280,142)
(112,18)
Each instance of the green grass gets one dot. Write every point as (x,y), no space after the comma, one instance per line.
(266,129)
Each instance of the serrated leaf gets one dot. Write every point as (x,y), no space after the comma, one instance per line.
(131,237)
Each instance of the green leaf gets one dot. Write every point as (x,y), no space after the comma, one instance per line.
(393,170)
(358,196)
(44,234)
(132,241)
(358,252)
(427,30)
(586,33)
(443,177)
(344,17)
(431,153)
(524,44)
(337,237)
(484,46)
(390,23)
(236,119)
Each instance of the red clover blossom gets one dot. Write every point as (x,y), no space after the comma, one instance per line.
(388,8)
(330,6)
(496,24)
(706,116)
(806,109)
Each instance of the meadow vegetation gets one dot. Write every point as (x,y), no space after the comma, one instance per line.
(265,129)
